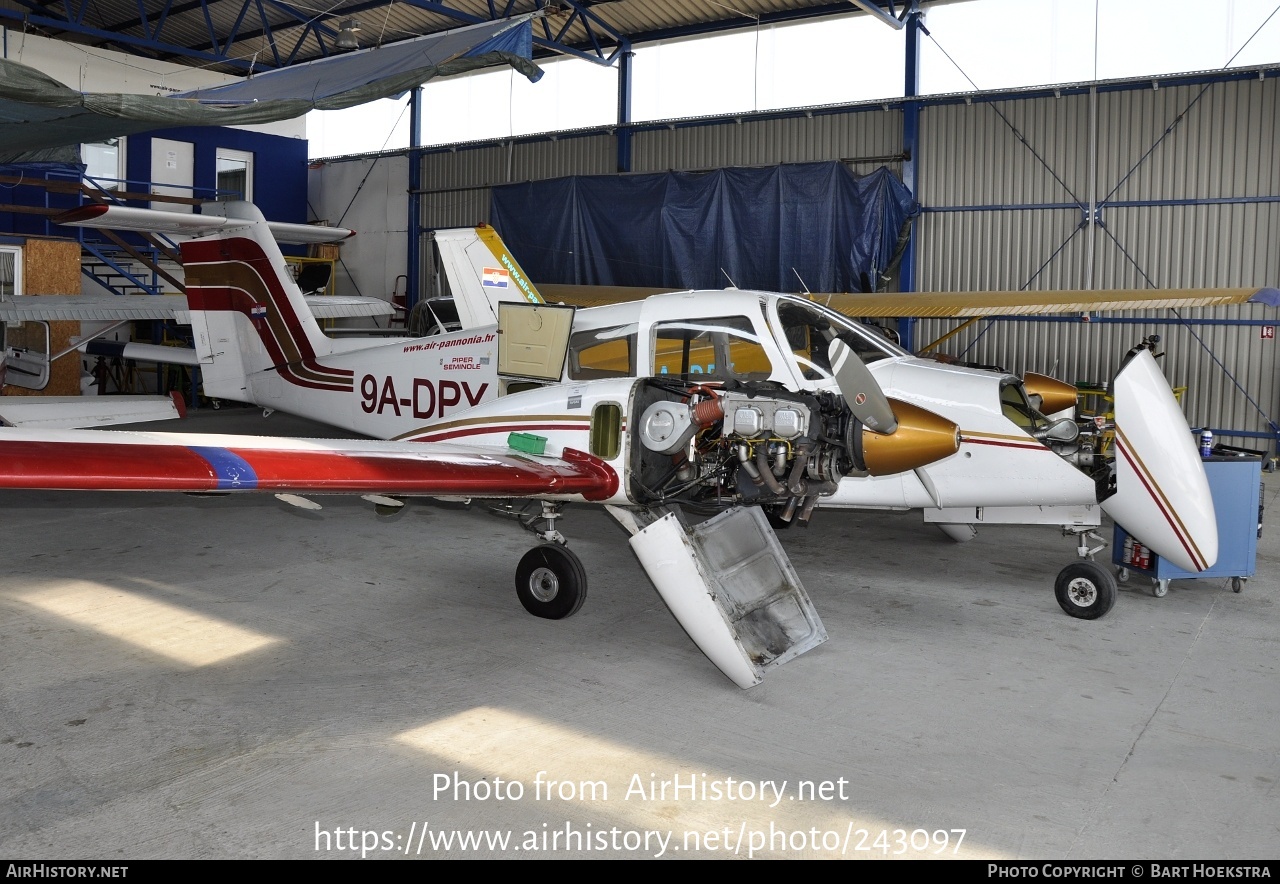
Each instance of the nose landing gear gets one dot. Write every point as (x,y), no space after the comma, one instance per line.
(1085,589)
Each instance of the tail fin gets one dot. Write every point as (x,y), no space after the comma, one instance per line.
(481,274)
(247,313)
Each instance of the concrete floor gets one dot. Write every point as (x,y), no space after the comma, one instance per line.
(233,677)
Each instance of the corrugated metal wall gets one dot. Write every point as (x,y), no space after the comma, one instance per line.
(1006,187)
(1187,180)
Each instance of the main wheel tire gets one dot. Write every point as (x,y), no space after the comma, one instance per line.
(551,582)
(1085,590)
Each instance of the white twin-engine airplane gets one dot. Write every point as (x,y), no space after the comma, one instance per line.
(717,404)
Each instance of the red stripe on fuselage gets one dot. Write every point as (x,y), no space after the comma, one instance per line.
(1029,445)
(235,274)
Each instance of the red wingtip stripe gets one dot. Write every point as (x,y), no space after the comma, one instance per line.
(80,215)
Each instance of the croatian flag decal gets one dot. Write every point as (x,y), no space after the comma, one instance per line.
(258,311)
(495,277)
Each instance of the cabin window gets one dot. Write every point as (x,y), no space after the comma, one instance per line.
(603,353)
(725,347)
(606,430)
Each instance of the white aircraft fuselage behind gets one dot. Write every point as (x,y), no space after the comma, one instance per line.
(259,344)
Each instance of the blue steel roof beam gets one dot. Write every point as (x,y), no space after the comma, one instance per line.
(270,37)
(142,19)
(444,9)
(740,23)
(235,29)
(170,8)
(164,16)
(208,23)
(122,39)
(304,18)
(308,23)
(301,41)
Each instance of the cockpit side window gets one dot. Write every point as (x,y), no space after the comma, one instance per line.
(808,331)
(1017,408)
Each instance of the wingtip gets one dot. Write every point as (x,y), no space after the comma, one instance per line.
(81,215)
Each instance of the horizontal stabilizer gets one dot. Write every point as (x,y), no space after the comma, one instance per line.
(115,308)
(184,224)
(79,412)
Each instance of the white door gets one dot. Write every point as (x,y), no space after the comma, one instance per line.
(172,172)
(235,174)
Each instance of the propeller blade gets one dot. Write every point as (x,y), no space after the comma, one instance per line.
(861,392)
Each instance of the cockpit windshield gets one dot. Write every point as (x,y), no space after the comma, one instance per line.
(809,328)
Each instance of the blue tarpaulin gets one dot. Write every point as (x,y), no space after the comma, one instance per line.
(758,227)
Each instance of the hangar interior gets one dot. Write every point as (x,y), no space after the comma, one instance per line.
(1161,182)
(1164,182)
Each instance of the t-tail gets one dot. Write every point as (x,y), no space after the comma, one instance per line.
(482,272)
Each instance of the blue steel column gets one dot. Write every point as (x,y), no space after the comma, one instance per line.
(624,108)
(415,198)
(911,165)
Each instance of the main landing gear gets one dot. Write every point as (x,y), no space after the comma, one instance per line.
(1085,589)
(550,580)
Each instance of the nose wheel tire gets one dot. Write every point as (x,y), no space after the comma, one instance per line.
(551,582)
(1085,590)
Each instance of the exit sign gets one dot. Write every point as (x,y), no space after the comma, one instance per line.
(1267,331)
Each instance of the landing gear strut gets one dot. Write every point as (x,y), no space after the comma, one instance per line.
(1085,589)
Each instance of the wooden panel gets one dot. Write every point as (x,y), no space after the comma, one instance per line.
(52,267)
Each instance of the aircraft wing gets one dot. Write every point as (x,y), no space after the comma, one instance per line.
(117,308)
(107,460)
(960,304)
(971,304)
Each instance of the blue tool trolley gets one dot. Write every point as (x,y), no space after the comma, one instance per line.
(1235,480)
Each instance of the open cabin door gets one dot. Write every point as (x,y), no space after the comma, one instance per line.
(533,340)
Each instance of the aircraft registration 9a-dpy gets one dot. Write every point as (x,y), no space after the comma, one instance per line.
(693,417)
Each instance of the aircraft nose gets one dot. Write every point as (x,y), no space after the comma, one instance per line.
(922,437)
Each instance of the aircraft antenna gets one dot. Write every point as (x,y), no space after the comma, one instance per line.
(802,284)
(732,284)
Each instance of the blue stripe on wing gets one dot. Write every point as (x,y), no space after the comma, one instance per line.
(232,470)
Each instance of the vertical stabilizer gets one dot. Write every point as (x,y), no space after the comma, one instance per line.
(481,273)
(247,312)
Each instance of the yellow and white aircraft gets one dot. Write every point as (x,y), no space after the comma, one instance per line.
(687,415)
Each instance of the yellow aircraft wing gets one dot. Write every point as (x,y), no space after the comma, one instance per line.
(961,304)
(973,304)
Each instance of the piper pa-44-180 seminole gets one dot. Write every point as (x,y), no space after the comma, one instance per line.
(693,417)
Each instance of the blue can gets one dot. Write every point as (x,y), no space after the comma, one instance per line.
(1206,442)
